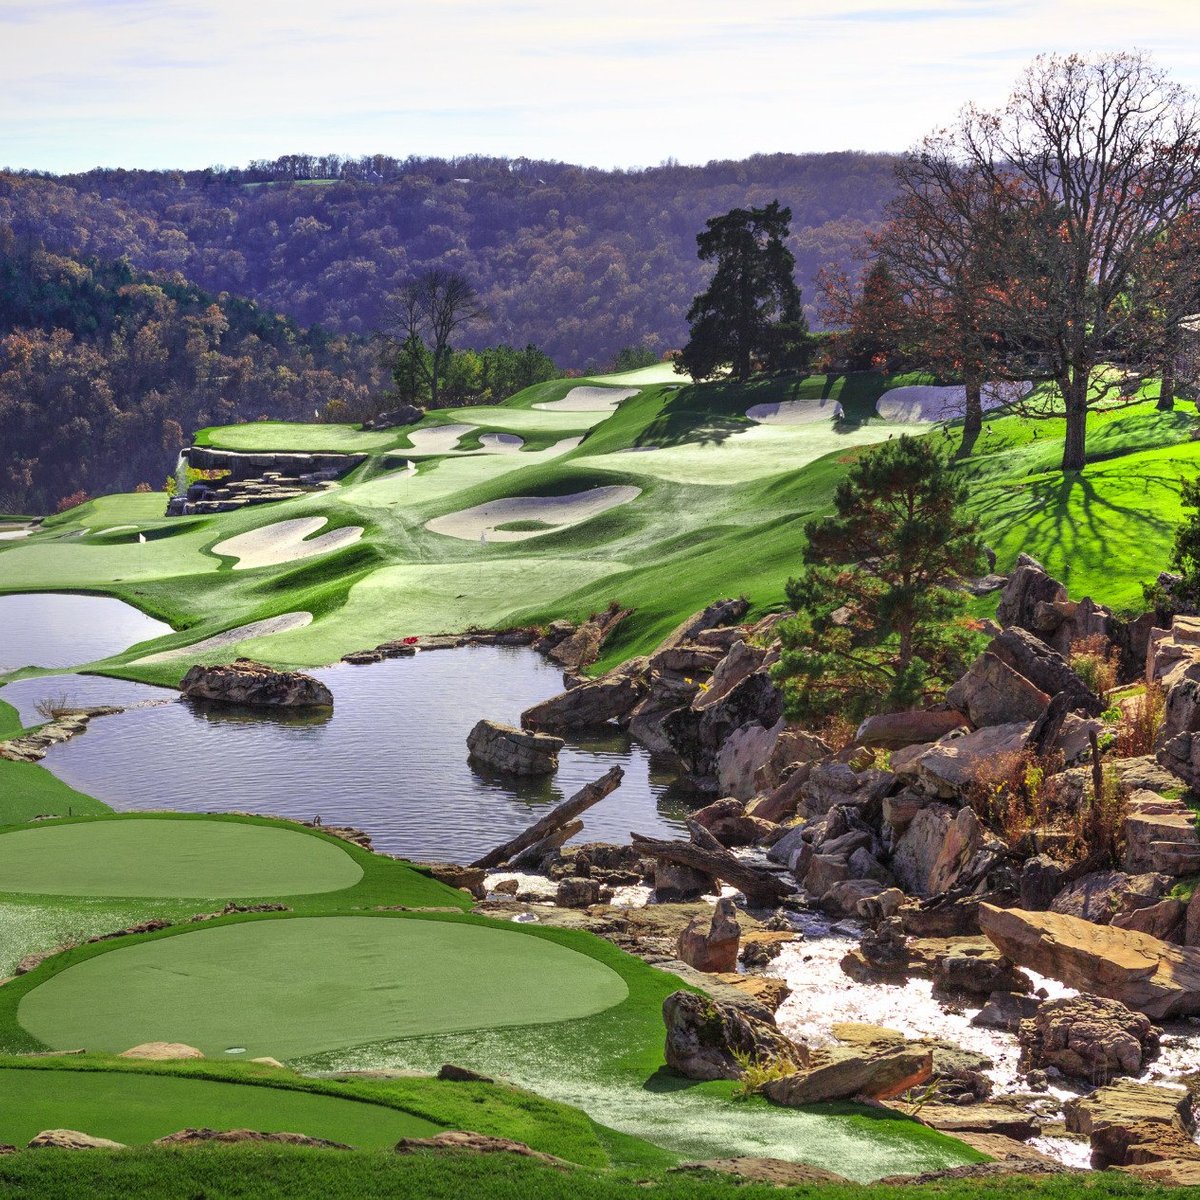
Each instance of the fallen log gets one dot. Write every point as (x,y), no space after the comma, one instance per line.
(761,888)
(532,855)
(566,812)
(703,837)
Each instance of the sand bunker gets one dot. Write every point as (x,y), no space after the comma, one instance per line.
(501,443)
(589,399)
(284,623)
(11,535)
(553,512)
(942,403)
(795,412)
(285,542)
(437,439)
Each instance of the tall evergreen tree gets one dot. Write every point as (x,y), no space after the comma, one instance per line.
(753,295)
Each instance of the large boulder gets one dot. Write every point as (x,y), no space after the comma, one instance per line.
(742,754)
(894,731)
(667,693)
(878,1069)
(837,784)
(1044,667)
(581,647)
(71,1139)
(162,1051)
(711,944)
(406,414)
(1130,1124)
(594,702)
(1150,976)
(951,765)
(705,1038)
(513,751)
(919,849)
(1089,1038)
(254,685)
(964,839)
(697,733)
(245,1137)
(992,693)
(1170,652)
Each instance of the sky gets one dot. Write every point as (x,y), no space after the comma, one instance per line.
(629,83)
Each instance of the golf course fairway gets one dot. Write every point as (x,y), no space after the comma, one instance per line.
(287,987)
(135,1108)
(160,858)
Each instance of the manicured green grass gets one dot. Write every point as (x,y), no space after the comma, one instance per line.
(293,987)
(156,858)
(239,1173)
(135,1108)
(286,435)
(262,1097)
(722,507)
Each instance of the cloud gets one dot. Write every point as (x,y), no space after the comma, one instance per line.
(629,82)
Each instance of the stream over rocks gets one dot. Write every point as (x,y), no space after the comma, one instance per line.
(391,759)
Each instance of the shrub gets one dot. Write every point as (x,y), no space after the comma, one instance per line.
(74,500)
(1138,724)
(1097,825)
(1013,793)
(50,707)
(1094,659)
(758,1072)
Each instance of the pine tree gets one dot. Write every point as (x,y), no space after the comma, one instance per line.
(878,615)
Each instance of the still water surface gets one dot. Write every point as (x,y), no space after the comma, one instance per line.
(391,759)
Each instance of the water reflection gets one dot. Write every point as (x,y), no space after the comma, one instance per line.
(391,759)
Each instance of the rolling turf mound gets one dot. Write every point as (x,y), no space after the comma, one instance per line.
(637,488)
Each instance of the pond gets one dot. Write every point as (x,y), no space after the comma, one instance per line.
(61,630)
(392,758)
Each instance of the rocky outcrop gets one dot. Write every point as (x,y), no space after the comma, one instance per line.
(705,1038)
(595,702)
(719,613)
(513,751)
(1089,1038)
(1132,1124)
(1102,895)
(1028,586)
(71,1139)
(742,755)
(582,646)
(711,945)
(1147,975)
(255,685)
(774,1172)
(1160,836)
(992,693)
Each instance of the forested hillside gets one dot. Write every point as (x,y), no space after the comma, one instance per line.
(104,370)
(579,261)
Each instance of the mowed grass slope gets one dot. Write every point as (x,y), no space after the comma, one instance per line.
(721,507)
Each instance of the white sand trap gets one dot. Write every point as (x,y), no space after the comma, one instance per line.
(285,541)
(437,439)
(284,623)
(11,535)
(589,399)
(501,443)
(557,512)
(931,402)
(794,412)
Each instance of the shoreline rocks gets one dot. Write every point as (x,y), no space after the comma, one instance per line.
(250,684)
(513,751)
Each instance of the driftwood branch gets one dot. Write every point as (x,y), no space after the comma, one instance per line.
(534,854)
(761,888)
(566,812)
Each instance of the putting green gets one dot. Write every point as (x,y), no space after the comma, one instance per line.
(287,987)
(135,1108)
(172,858)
